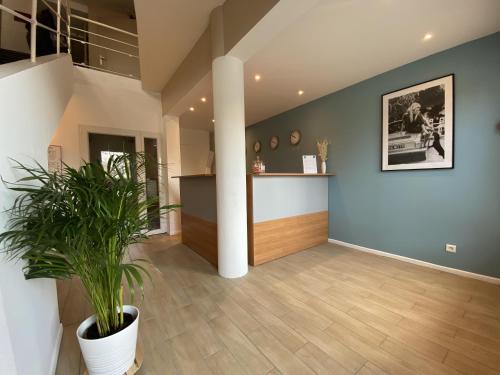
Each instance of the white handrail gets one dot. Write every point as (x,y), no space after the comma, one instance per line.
(58,40)
(103,47)
(14,13)
(51,9)
(104,25)
(46,27)
(68,25)
(105,37)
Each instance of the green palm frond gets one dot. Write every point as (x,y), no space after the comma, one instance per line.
(81,223)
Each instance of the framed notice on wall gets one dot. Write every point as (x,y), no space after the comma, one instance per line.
(55,159)
(417,126)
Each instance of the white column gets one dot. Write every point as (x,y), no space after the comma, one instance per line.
(229,114)
(173,162)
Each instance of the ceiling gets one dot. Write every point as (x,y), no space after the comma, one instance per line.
(341,42)
(168,29)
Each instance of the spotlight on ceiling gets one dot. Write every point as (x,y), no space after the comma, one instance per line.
(300,92)
(257,77)
(428,36)
(203,99)
(191,109)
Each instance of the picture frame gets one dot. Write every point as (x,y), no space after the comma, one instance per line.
(418,126)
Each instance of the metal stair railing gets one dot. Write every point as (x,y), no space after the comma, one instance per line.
(57,10)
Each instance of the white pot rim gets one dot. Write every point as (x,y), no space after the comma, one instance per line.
(82,328)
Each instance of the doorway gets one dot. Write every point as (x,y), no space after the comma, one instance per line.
(103,146)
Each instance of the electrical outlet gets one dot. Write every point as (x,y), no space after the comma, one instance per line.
(451,248)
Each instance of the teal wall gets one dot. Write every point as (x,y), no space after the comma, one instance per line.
(409,213)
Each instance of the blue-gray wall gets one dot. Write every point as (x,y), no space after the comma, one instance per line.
(410,213)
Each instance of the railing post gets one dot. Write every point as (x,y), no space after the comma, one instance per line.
(68,25)
(34,5)
(58,45)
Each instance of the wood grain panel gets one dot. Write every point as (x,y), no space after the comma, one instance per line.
(201,236)
(277,238)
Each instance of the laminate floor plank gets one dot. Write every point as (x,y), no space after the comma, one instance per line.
(326,310)
(319,361)
(387,362)
(224,363)
(188,359)
(240,346)
(284,360)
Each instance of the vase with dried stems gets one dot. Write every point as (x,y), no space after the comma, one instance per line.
(323,153)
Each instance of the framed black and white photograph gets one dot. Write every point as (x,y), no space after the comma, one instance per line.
(417,126)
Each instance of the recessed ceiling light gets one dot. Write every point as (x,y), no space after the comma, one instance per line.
(428,36)
(191,109)
(203,99)
(257,77)
(300,92)
(213,120)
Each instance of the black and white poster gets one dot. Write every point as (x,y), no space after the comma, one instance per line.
(417,126)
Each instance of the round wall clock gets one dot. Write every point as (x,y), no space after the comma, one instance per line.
(257,146)
(295,137)
(274,142)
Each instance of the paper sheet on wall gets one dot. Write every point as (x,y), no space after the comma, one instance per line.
(309,162)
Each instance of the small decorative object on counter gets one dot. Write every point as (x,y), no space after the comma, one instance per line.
(258,166)
(323,153)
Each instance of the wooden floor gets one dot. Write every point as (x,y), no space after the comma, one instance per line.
(327,310)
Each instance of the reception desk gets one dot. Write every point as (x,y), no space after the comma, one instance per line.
(199,215)
(286,213)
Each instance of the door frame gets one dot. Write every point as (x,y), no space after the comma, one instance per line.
(139,136)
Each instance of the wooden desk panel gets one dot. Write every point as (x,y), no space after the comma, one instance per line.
(201,236)
(273,239)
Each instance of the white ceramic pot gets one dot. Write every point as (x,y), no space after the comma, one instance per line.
(112,355)
(323,167)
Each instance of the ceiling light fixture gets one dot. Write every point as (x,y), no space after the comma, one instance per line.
(191,109)
(300,92)
(428,36)
(213,120)
(257,77)
(203,99)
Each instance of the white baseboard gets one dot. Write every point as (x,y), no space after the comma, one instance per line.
(55,351)
(477,276)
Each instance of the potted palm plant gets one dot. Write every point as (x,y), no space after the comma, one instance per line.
(80,223)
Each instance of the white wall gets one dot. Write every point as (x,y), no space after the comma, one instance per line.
(32,102)
(106,101)
(195,145)
(7,361)
(110,104)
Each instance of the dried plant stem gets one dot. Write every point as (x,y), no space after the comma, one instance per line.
(323,149)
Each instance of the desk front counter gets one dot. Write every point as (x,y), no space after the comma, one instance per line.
(286,213)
